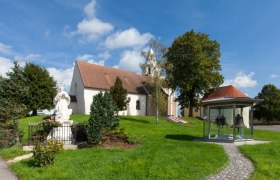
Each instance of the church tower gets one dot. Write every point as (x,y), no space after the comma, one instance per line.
(150,68)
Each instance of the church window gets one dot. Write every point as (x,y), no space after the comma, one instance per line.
(149,70)
(138,105)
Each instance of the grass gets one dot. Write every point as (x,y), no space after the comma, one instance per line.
(9,153)
(167,151)
(266,157)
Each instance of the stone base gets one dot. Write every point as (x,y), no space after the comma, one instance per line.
(65,147)
(62,133)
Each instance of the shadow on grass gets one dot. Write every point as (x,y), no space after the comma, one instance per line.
(130,118)
(181,137)
(30,163)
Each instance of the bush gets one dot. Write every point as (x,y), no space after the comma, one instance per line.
(80,132)
(45,154)
(102,116)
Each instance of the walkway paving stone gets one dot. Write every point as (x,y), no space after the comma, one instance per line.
(5,172)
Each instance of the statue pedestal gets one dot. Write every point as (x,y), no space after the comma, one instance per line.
(62,133)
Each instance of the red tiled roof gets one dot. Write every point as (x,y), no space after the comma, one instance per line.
(224,92)
(102,77)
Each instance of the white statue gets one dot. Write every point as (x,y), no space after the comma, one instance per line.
(61,102)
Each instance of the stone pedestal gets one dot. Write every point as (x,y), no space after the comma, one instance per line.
(62,133)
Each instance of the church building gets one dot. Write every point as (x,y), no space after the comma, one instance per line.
(89,79)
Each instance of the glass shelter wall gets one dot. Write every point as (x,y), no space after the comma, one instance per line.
(228,123)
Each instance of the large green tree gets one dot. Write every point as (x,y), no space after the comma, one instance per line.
(269,109)
(42,88)
(13,95)
(192,67)
(119,95)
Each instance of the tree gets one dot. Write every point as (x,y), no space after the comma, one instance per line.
(269,109)
(119,95)
(193,67)
(42,88)
(13,95)
(101,116)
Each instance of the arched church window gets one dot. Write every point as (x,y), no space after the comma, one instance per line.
(149,70)
(138,105)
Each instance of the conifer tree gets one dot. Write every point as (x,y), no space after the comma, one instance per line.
(119,95)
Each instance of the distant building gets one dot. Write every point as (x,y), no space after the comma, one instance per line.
(89,79)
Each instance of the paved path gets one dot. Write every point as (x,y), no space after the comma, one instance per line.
(5,172)
(268,127)
(239,167)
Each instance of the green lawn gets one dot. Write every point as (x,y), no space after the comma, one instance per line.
(266,157)
(167,151)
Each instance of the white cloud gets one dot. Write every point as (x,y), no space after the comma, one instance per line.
(28,58)
(93,28)
(90,27)
(273,76)
(90,9)
(104,56)
(242,80)
(6,65)
(131,60)
(5,49)
(63,77)
(127,38)
(89,58)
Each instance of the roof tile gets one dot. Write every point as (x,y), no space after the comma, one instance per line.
(102,77)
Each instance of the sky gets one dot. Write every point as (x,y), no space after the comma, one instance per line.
(55,33)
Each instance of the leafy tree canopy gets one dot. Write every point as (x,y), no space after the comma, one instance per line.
(269,109)
(42,88)
(193,67)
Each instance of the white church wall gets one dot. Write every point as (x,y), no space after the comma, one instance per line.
(131,109)
(77,89)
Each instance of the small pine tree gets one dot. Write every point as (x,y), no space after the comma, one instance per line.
(111,121)
(96,124)
(101,116)
(119,95)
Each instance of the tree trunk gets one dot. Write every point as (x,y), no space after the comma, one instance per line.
(191,111)
(34,112)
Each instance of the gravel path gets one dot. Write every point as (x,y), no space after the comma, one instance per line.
(239,166)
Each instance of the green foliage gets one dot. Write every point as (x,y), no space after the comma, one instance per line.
(45,154)
(269,109)
(13,94)
(193,66)
(119,95)
(42,88)
(102,116)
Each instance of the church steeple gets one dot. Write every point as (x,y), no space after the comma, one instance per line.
(150,68)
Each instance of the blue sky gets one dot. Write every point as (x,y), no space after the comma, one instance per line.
(55,33)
